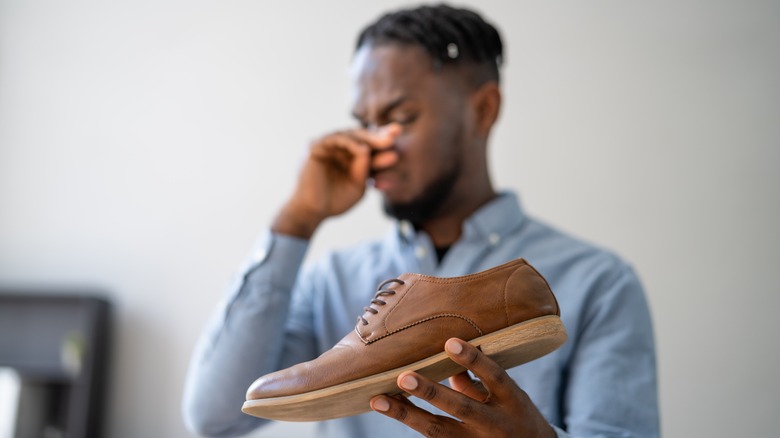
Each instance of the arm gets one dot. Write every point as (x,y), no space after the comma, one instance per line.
(612,370)
(243,341)
(246,337)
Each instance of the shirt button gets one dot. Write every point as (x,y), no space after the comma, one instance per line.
(494,238)
(419,252)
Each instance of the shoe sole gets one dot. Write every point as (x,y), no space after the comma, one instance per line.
(509,347)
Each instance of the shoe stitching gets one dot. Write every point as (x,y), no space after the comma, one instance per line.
(380,291)
(398,304)
(506,299)
(430,318)
(470,277)
(441,280)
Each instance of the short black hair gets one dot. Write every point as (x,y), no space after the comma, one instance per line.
(451,36)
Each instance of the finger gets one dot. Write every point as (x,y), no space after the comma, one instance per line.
(464,384)
(384,154)
(339,143)
(494,378)
(383,159)
(379,141)
(418,419)
(381,138)
(345,153)
(444,398)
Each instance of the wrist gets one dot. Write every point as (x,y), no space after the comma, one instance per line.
(294,222)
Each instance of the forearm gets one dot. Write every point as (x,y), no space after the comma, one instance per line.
(296,220)
(243,340)
(612,377)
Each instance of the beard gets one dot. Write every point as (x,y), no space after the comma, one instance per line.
(428,204)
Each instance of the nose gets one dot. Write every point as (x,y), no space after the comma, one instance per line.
(376,128)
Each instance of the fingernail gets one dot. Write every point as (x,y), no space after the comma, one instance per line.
(408,382)
(454,347)
(392,128)
(380,405)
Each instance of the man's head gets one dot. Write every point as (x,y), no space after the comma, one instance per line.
(434,71)
(450,36)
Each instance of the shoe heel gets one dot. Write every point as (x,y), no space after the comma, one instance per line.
(523,342)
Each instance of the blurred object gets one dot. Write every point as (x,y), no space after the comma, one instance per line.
(10,386)
(72,353)
(57,346)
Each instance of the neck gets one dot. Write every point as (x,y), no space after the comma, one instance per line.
(446,227)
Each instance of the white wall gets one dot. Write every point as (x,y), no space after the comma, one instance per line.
(144,144)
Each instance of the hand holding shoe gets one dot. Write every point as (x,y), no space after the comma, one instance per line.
(496,407)
(515,320)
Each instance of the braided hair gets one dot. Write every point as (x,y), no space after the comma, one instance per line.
(451,36)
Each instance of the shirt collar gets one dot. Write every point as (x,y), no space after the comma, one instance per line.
(492,221)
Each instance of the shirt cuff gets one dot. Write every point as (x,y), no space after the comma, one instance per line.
(288,253)
(279,271)
(560,433)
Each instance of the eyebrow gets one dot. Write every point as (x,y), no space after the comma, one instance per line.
(393,104)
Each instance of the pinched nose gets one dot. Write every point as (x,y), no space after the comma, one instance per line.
(389,131)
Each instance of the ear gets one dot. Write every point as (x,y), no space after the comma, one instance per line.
(486,101)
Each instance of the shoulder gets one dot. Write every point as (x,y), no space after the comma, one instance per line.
(597,290)
(550,245)
(575,267)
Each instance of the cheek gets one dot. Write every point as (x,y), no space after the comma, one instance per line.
(428,145)
(423,140)
(424,158)
(418,153)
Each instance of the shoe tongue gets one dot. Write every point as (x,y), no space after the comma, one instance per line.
(376,322)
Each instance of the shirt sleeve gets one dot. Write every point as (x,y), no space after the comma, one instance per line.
(611,387)
(243,340)
(560,433)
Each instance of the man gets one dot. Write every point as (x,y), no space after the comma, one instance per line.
(427,96)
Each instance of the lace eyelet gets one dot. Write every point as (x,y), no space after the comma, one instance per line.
(380,292)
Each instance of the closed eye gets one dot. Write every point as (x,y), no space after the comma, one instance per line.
(405,120)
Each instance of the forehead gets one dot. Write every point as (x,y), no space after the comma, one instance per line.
(388,71)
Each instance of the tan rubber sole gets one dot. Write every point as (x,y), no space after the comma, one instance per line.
(509,347)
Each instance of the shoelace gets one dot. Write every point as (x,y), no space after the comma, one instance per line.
(380,292)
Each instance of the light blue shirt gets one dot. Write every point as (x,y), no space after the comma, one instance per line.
(601,382)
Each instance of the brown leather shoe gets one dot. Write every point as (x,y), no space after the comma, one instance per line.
(508,311)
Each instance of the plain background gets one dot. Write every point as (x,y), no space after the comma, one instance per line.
(145,144)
